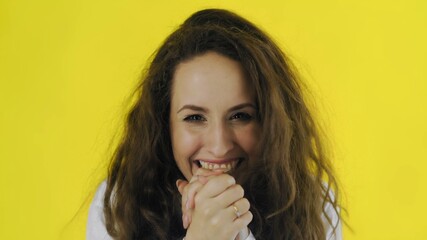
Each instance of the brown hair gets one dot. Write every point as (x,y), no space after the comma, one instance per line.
(286,187)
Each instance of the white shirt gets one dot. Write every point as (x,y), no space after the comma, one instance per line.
(95,229)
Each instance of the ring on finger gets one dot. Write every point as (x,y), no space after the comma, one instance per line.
(236,211)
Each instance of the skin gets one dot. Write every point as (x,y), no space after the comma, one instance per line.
(212,119)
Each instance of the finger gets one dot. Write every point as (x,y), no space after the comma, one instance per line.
(188,216)
(184,187)
(202,175)
(203,172)
(230,195)
(215,186)
(192,190)
(180,184)
(188,190)
(239,208)
(188,201)
(208,172)
(243,221)
(185,221)
(184,193)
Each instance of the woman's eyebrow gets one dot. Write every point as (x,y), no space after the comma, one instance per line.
(192,107)
(242,105)
(202,109)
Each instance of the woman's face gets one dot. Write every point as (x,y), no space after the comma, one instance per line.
(213,115)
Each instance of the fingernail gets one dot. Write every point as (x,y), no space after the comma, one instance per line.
(185,221)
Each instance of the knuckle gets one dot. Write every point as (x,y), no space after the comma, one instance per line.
(240,191)
(229,179)
(207,211)
(245,220)
(250,216)
(215,221)
(245,202)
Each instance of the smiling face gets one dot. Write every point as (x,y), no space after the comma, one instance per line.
(213,115)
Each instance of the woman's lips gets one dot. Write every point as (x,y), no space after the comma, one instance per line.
(226,165)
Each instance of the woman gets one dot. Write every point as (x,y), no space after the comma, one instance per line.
(220,144)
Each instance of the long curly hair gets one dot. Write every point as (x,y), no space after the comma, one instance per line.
(290,184)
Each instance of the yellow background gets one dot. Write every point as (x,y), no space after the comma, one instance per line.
(67,67)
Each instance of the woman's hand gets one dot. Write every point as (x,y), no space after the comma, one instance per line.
(208,206)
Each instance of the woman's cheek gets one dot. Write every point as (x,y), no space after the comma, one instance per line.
(248,139)
(189,142)
(184,147)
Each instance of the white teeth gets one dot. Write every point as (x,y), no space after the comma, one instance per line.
(226,166)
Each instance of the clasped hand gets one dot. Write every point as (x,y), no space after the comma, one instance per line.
(214,207)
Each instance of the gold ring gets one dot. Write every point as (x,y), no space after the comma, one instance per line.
(236,211)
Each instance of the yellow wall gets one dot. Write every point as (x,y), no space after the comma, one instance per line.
(66,68)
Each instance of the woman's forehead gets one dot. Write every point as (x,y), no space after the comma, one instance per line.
(210,77)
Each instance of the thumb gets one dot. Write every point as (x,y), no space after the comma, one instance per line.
(180,184)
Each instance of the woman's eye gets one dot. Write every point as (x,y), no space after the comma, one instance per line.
(241,116)
(194,118)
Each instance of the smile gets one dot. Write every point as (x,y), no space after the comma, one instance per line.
(227,166)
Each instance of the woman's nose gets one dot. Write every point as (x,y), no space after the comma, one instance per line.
(219,140)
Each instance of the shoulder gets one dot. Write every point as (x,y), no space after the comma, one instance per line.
(95,228)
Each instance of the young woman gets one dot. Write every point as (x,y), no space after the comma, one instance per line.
(220,144)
